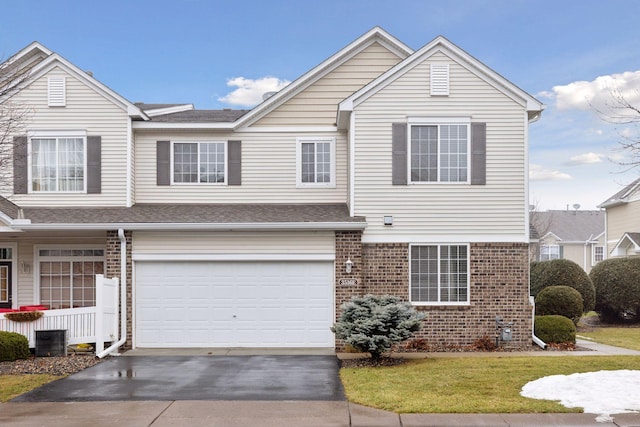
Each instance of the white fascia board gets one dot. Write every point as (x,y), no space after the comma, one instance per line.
(443,238)
(199,226)
(233,257)
(552,234)
(376,34)
(56,60)
(169,110)
(440,44)
(164,125)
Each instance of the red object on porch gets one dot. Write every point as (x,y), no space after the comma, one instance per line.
(8,310)
(33,307)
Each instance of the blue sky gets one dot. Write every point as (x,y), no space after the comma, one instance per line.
(202,52)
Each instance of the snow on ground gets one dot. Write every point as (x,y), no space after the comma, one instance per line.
(602,392)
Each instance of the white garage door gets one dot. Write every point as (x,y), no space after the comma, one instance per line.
(234,304)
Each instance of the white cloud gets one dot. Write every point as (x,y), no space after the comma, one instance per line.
(585,95)
(249,92)
(585,159)
(539,173)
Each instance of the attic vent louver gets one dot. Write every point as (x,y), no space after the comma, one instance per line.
(439,79)
(57,91)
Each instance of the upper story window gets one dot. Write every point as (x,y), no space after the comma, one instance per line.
(200,162)
(550,252)
(58,163)
(439,274)
(598,254)
(316,162)
(439,152)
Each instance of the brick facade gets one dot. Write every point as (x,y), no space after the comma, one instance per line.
(113,270)
(499,287)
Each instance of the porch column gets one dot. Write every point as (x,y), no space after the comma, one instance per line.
(113,270)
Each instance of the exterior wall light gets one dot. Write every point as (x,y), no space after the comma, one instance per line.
(388,220)
(348,266)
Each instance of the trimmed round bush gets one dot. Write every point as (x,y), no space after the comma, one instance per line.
(13,346)
(617,284)
(555,329)
(562,272)
(562,300)
(374,323)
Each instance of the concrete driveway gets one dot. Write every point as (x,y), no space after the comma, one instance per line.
(198,378)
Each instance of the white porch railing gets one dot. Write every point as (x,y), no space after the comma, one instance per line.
(83,325)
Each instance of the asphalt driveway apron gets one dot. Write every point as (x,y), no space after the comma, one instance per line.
(198,378)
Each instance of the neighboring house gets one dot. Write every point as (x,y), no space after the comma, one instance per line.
(574,235)
(382,170)
(623,221)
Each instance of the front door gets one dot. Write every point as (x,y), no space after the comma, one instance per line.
(5,284)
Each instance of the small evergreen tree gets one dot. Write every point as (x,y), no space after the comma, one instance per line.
(374,323)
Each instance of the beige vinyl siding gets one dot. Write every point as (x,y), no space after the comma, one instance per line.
(622,219)
(317,104)
(442,210)
(27,280)
(268,170)
(85,110)
(576,252)
(227,243)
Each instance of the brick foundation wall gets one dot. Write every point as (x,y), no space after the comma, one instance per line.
(499,287)
(113,270)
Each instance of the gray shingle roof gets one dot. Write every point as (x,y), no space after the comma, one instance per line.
(621,195)
(9,208)
(144,107)
(635,237)
(570,226)
(201,116)
(193,214)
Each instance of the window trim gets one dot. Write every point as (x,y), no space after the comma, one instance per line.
(37,258)
(594,261)
(438,121)
(226,162)
(332,159)
(56,134)
(441,303)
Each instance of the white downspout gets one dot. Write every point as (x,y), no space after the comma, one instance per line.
(123,298)
(536,340)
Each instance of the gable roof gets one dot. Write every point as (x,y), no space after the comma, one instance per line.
(622,196)
(49,60)
(570,226)
(439,44)
(626,241)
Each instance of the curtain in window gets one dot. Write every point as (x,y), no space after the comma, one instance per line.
(43,168)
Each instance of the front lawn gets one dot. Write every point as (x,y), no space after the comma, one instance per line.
(468,384)
(15,385)
(618,337)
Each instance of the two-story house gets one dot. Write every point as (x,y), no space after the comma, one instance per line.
(623,221)
(383,170)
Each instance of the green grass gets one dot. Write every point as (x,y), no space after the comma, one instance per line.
(468,384)
(619,337)
(15,385)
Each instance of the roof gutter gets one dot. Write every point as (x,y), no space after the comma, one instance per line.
(248,226)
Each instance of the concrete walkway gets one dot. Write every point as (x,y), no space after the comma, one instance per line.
(294,413)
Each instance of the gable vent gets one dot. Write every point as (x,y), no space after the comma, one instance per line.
(439,79)
(57,92)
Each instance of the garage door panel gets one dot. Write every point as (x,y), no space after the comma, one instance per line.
(239,304)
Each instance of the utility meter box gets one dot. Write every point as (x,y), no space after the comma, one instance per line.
(51,343)
(506,334)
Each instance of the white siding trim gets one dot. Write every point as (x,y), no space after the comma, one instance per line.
(234,257)
(352,164)
(248,226)
(527,236)
(56,91)
(433,239)
(129,178)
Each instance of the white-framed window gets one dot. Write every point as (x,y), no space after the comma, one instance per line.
(439,274)
(316,162)
(439,150)
(66,276)
(199,162)
(550,252)
(598,254)
(58,162)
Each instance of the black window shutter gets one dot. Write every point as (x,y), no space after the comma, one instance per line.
(94,164)
(399,154)
(163,159)
(20,184)
(478,153)
(234,160)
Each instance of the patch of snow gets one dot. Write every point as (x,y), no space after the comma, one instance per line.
(602,392)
